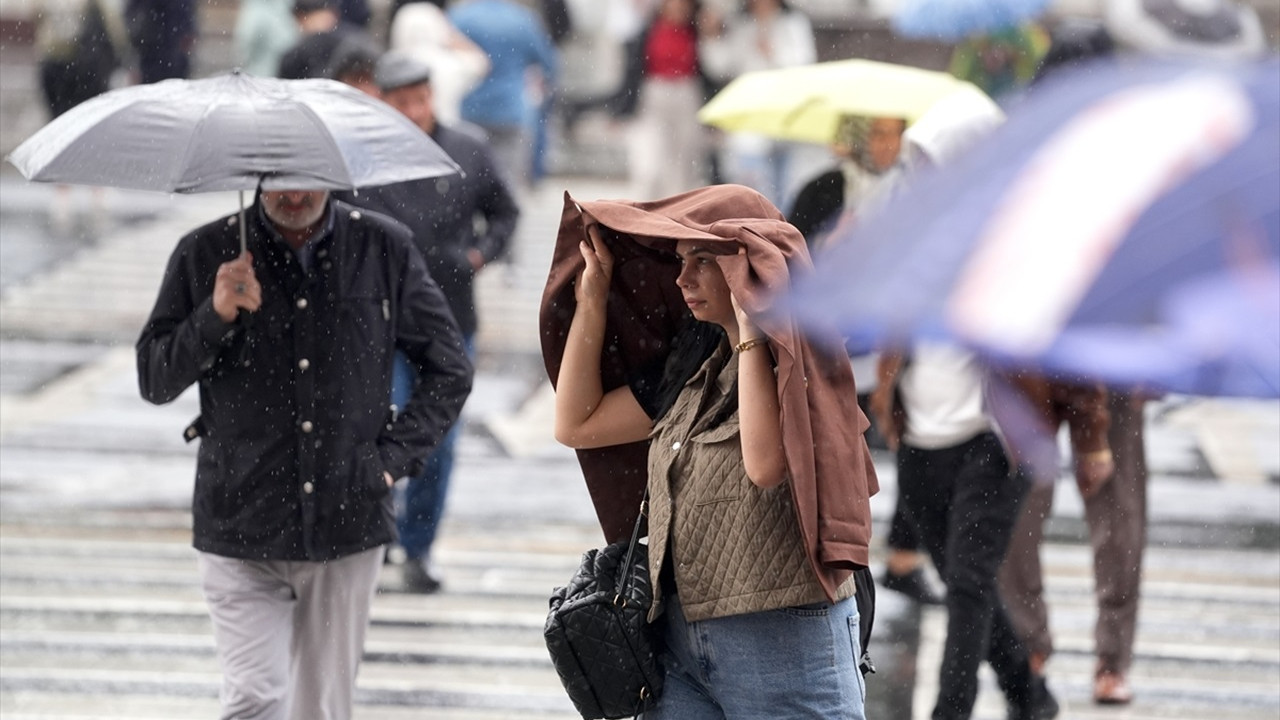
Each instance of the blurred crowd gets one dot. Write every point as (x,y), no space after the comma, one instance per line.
(491,71)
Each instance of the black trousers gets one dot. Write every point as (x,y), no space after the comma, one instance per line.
(963,502)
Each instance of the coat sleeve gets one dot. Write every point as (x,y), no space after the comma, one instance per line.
(1084,409)
(498,207)
(183,336)
(429,336)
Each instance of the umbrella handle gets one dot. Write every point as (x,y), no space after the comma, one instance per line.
(243,317)
(244,243)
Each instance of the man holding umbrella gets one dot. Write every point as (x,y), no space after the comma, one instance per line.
(286,315)
(291,345)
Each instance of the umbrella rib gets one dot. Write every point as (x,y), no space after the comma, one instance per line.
(328,138)
(177,174)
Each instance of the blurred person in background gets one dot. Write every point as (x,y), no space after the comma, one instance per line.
(81,43)
(957,484)
(1002,61)
(663,87)
(354,12)
(461,223)
(762,35)
(164,34)
(522,62)
(321,32)
(866,149)
(265,30)
(355,63)
(421,29)
(1082,407)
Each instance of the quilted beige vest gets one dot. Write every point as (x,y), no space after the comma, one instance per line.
(735,548)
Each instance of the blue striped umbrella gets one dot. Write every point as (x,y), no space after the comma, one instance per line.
(1123,224)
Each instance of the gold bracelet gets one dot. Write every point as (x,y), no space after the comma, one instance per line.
(746,345)
(1103,455)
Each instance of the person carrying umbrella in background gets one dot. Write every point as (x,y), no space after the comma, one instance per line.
(868,149)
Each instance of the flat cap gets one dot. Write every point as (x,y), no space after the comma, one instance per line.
(397,70)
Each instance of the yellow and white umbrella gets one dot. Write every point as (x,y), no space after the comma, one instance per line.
(806,103)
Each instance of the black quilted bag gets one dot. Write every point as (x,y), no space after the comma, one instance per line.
(600,640)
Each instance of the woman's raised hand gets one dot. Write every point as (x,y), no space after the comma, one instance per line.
(593,285)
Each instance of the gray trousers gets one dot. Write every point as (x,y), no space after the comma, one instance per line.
(1117,518)
(289,634)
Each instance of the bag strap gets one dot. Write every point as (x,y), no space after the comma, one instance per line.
(628,570)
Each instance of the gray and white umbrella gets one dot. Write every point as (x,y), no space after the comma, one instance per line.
(232,132)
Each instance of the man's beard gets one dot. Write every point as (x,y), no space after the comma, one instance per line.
(299,217)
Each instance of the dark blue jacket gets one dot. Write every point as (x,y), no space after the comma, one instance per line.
(443,212)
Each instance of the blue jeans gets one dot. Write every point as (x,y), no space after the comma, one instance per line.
(798,663)
(421,504)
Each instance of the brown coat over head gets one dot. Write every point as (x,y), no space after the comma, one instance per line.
(831,474)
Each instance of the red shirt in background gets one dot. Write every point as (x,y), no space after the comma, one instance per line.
(672,51)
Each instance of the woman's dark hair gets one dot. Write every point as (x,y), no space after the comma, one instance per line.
(690,348)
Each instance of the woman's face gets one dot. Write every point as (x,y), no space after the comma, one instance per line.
(702,284)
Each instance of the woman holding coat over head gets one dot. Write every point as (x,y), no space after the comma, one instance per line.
(671,377)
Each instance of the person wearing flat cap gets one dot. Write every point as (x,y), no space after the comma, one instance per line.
(461,223)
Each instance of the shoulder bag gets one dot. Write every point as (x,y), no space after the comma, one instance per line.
(598,634)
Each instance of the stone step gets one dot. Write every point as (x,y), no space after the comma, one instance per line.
(36,705)
(514,691)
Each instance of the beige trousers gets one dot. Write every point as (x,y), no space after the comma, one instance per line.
(289,634)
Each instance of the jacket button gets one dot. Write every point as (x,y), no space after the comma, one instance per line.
(303,364)
(355,214)
(308,488)
(301,303)
(307,426)
(675,445)
(326,265)
(322,253)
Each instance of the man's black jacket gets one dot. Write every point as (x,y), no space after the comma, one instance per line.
(295,422)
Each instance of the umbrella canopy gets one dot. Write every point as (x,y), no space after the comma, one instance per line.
(1203,28)
(1124,224)
(956,19)
(231,132)
(806,103)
